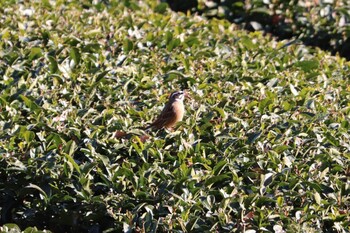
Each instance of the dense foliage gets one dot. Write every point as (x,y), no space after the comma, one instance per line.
(264,145)
(322,23)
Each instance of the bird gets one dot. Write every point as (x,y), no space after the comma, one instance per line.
(172,112)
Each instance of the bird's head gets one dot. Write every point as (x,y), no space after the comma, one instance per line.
(177,96)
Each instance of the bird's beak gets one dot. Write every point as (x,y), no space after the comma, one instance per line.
(187,94)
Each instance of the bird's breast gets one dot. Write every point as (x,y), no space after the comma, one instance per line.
(179,110)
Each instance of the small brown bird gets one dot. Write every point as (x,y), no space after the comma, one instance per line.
(172,112)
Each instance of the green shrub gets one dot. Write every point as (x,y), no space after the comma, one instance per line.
(324,24)
(264,145)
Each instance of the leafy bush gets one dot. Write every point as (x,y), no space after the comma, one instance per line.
(264,146)
(324,24)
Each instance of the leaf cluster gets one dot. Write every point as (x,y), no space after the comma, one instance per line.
(324,24)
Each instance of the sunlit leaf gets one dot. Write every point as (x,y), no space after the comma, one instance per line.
(35,53)
(29,136)
(219,166)
(29,103)
(293,90)
(264,104)
(248,43)
(33,186)
(317,198)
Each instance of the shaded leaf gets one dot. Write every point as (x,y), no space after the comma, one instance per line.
(216,179)
(307,66)
(53,64)
(75,55)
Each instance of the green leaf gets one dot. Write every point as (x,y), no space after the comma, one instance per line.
(216,179)
(91,48)
(281,148)
(263,104)
(317,197)
(35,53)
(122,171)
(53,64)
(11,227)
(263,10)
(173,75)
(72,162)
(70,147)
(219,166)
(72,41)
(29,103)
(101,76)
(221,112)
(128,45)
(280,201)
(168,37)
(33,186)
(75,55)
(173,44)
(29,136)
(191,41)
(32,230)
(253,136)
(309,65)
(287,105)
(248,43)
(345,124)
(332,139)
(54,141)
(161,8)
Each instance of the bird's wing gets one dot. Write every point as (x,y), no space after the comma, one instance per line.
(165,116)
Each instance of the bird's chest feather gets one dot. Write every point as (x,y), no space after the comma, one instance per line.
(179,110)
